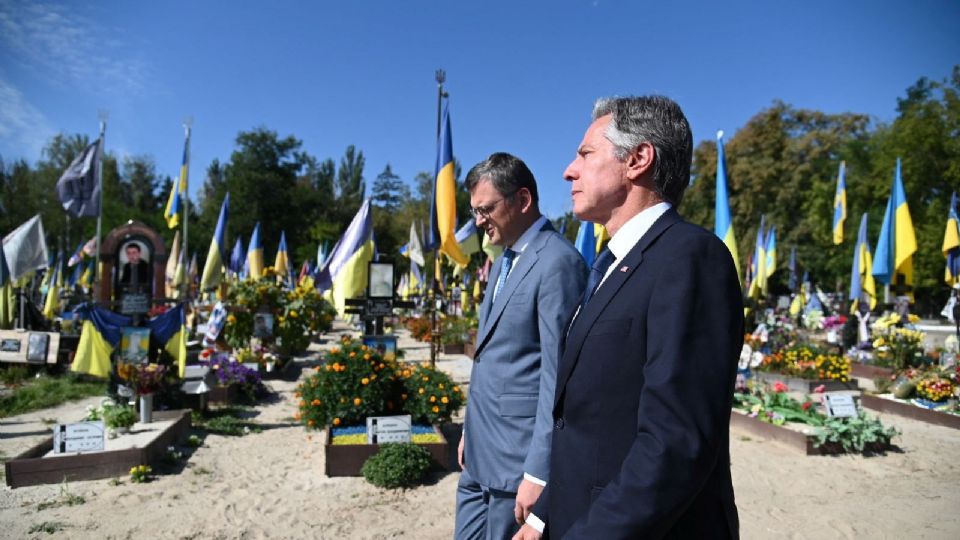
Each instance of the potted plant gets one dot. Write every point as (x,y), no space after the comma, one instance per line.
(119,417)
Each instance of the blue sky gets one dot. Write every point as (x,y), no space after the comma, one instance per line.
(522,76)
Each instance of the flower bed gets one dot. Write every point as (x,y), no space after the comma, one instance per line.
(798,384)
(344,459)
(945,414)
(419,434)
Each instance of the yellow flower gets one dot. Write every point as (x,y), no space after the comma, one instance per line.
(357,401)
(456,388)
(353,354)
(231,319)
(336,421)
(436,409)
(364,381)
(433,399)
(444,400)
(425,378)
(421,390)
(293,314)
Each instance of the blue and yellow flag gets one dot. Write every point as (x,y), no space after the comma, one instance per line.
(178,191)
(898,241)
(99,337)
(217,255)
(951,244)
(237,258)
(255,253)
(86,278)
(586,242)
(281,263)
(169,329)
(52,304)
(345,273)
(723,223)
(771,252)
(758,267)
(862,284)
(840,205)
(443,207)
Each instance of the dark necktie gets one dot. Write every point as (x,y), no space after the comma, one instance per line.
(506,261)
(597,271)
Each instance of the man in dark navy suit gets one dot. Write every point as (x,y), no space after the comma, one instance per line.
(645,381)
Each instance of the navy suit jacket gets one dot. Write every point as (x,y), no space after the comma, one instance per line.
(644,390)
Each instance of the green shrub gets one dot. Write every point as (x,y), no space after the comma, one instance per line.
(429,395)
(397,465)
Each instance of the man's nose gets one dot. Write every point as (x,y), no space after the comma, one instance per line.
(571,173)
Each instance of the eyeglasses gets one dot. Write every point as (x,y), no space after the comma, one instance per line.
(486,210)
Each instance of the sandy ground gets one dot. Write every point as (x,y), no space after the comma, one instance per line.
(271,485)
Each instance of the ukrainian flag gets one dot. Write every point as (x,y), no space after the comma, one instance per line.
(7,301)
(951,244)
(898,241)
(86,278)
(771,252)
(468,238)
(861,274)
(99,337)
(255,253)
(345,273)
(840,205)
(443,207)
(282,263)
(178,191)
(723,224)
(758,266)
(52,304)
(586,242)
(237,258)
(169,329)
(217,255)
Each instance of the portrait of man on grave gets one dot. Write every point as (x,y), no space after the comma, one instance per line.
(136,273)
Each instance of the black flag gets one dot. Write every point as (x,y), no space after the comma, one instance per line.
(78,188)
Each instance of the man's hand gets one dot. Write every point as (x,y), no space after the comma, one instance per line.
(527,495)
(460,452)
(527,533)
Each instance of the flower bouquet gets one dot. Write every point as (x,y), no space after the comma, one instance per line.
(144,378)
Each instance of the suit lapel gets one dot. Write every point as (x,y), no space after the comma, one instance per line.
(608,290)
(524,263)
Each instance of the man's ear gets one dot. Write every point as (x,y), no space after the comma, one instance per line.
(525,199)
(640,160)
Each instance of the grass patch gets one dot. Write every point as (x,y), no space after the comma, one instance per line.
(13,374)
(49,527)
(226,421)
(49,392)
(64,499)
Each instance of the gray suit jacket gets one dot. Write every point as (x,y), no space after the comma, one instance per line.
(509,419)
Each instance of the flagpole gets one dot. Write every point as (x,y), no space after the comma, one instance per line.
(441,77)
(100,151)
(187,125)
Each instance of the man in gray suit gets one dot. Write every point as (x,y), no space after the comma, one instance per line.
(532,292)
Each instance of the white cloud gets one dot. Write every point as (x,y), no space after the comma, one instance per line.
(23,129)
(67,48)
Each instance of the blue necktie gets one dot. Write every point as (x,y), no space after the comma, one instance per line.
(506,261)
(599,269)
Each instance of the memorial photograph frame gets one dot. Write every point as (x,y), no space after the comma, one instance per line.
(380,279)
(385,345)
(263,325)
(134,345)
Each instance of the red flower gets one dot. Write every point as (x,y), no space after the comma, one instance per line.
(820,389)
(779,387)
(806,405)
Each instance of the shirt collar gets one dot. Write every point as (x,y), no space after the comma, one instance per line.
(527,236)
(633,230)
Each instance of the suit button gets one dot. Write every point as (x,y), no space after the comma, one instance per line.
(558,423)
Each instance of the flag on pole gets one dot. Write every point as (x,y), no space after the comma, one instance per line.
(52,304)
(26,248)
(840,204)
(100,334)
(345,274)
(413,248)
(282,262)
(862,284)
(173,260)
(723,223)
(79,186)
(86,278)
(898,241)
(771,252)
(951,244)
(469,239)
(586,242)
(178,191)
(77,256)
(443,207)
(255,253)
(792,266)
(213,267)
(237,258)
(169,329)
(758,265)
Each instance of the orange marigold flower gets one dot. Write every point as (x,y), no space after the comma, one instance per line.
(336,421)
(364,381)
(456,388)
(421,390)
(315,402)
(403,397)
(436,409)
(433,399)
(353,354)
(357,401)
(425,378)
(366,357)
(444,399)
(311,423)
(440,386)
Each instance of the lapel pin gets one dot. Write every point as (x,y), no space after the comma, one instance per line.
(624,268)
